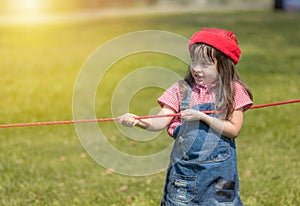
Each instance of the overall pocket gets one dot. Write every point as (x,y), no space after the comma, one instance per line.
(209,152)
(182,188)
(225,191)
(219,153)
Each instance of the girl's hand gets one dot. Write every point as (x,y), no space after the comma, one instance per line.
(191,115)
(128,120)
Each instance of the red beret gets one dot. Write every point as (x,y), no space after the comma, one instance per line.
(223,40)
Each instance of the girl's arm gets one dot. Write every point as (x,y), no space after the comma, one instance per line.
(154,124)
(229,128)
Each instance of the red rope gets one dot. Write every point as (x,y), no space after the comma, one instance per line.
(275,104)
(140,117)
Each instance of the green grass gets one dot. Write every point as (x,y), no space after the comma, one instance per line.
(48,165)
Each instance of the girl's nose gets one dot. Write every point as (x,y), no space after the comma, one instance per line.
(197,69)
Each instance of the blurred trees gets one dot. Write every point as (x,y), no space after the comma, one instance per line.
(71,5)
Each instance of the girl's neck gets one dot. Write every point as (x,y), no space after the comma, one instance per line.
(208,85)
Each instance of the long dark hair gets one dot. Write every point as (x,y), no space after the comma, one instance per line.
(227,71)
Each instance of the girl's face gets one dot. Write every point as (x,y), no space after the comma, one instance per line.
(204,73)
(204,65)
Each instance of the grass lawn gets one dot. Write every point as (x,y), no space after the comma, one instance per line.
(47,165)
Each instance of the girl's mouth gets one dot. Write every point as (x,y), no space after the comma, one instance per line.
(198,76)
(199,79)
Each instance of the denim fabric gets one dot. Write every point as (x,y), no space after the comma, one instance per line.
(203,166)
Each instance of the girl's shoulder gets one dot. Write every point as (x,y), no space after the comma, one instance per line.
(240,89)
(238,85)
(171,97)
(178,86)
(242,98)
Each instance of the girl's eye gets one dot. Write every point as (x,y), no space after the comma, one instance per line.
(193,65)
(206,64)
(203,65)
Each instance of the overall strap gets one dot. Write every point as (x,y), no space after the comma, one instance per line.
(185,102)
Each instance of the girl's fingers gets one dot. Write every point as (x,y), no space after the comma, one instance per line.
(128,120)
(190,115)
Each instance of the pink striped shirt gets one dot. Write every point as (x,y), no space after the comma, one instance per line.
(200,94)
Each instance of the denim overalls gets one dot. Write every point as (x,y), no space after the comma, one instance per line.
(203,166)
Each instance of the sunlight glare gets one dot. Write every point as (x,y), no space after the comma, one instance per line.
(26,6)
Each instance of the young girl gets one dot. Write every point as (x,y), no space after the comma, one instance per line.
(203,165)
